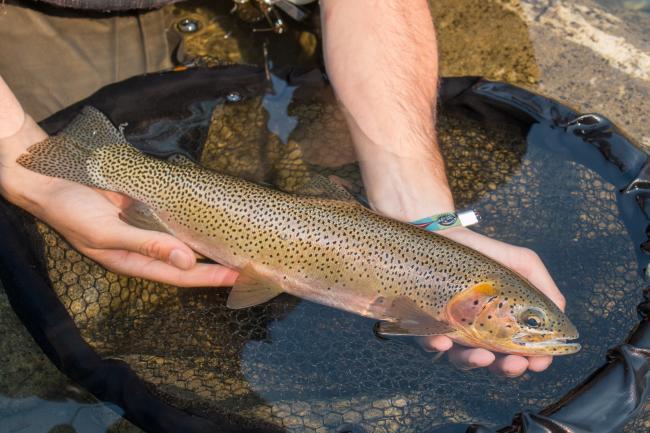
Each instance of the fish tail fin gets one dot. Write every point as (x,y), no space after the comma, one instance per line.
(69,154)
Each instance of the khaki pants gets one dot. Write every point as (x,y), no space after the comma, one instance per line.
(53,57)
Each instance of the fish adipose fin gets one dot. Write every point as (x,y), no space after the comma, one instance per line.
(251,289)
(141,216)
(409,319)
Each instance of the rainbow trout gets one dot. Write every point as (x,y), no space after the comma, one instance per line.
(330,251)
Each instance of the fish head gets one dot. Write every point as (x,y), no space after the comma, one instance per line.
(507,314)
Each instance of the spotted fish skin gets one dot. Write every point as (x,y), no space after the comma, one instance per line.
(332,252)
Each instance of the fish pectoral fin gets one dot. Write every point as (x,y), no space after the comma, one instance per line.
(251,289)
(141,216)
(406,318)
(412,329)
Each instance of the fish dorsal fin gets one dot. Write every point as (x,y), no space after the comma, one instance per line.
(251,289)
(140,215)
(406,318)
(323,187)
(182,160)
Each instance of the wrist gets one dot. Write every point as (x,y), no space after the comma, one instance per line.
(404,177)
(406,189)
(467,237)
(17,184)
(403,186)
(15,144)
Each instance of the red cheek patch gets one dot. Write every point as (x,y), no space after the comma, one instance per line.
(465,307)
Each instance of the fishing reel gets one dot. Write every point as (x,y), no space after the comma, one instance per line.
(270,12)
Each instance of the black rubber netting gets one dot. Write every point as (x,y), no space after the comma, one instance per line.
(570,186)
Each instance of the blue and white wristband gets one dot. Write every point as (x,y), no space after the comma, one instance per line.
(448,220)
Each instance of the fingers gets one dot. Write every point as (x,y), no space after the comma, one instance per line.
(539,363)
(467,359)
(509,366)
(138,265)
(435,343)
(156,245)
(470,358)
(514,366)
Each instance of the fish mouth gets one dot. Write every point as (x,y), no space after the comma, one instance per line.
(562,345)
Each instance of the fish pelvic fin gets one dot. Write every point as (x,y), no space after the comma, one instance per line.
(413,330)
(68,155)
(404,317)
(251,289)
(140,215)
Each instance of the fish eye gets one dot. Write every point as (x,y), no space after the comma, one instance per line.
(533,318)
(532,322)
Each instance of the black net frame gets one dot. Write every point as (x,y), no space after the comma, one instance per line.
(604,402)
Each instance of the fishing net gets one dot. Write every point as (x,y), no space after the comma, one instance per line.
(177,359)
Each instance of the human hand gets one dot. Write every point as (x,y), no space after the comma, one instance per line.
(528,264)
(89,218)
(407,188)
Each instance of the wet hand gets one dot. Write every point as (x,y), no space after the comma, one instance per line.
(528,264)
(89,218)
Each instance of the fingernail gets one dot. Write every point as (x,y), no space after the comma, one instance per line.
(180,259)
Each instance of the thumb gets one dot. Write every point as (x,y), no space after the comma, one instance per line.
(157,245)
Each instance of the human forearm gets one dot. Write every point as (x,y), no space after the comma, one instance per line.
(17,131)
(89,219)
(382,60)
(12,115)
(381,57)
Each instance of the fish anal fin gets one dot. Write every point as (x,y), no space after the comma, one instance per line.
(140,215)
(251,289)
(404,317)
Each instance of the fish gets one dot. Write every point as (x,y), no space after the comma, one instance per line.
(331,251)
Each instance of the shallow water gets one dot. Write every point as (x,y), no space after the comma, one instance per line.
(310,369)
